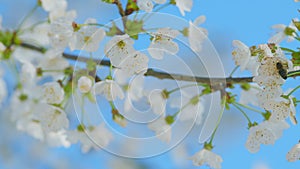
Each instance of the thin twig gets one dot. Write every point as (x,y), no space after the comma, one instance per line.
(161,74)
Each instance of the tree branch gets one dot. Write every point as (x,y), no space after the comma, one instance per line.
(121,12)
(164,75)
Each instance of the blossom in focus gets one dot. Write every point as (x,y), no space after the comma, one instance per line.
(162,43)
(119,48)
(266,133)
(243,57)
(294,154)
(135,63)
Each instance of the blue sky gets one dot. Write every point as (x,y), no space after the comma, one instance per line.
(245,20)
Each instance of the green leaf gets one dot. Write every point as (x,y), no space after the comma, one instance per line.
(133,28)
(108,1)
(114,30)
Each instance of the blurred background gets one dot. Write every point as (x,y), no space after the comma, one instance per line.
(245,20)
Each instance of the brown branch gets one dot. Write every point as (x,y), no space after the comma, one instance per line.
(164,75)
(121,12)
(120,8)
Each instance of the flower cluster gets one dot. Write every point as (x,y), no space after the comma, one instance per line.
(270,67)
(46,79)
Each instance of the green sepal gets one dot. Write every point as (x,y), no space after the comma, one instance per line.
(133,28)
(169,120)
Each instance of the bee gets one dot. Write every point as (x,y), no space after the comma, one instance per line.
(282,69)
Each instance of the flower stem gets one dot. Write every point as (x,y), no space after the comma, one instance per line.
(174,115)
(26,17)
(248,107)
(291,92)
(95,24)
(146,17)
(218,124)
(186,86)
(233,71)
(32,26)
(293,73)
(216,128)
(243,112)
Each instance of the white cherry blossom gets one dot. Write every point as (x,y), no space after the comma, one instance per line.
(28,74)
(197,35)
(92,137)
(51,118)
(157,100)
(280,109)
(162,43)
(243,57)
(57,139)
(53,93)
(54,5)
(268,72)
(136,63)
(87,37)
(294,154)
(61,31)
(269,93)
(147,5)
(241,54)
(135,92)
(84,84)
(163,131)
(292,111)
(54,64)
(283,32)
(184,5)
(31,127)
(266,133)
(119,48)
(110,89)
(207,157)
